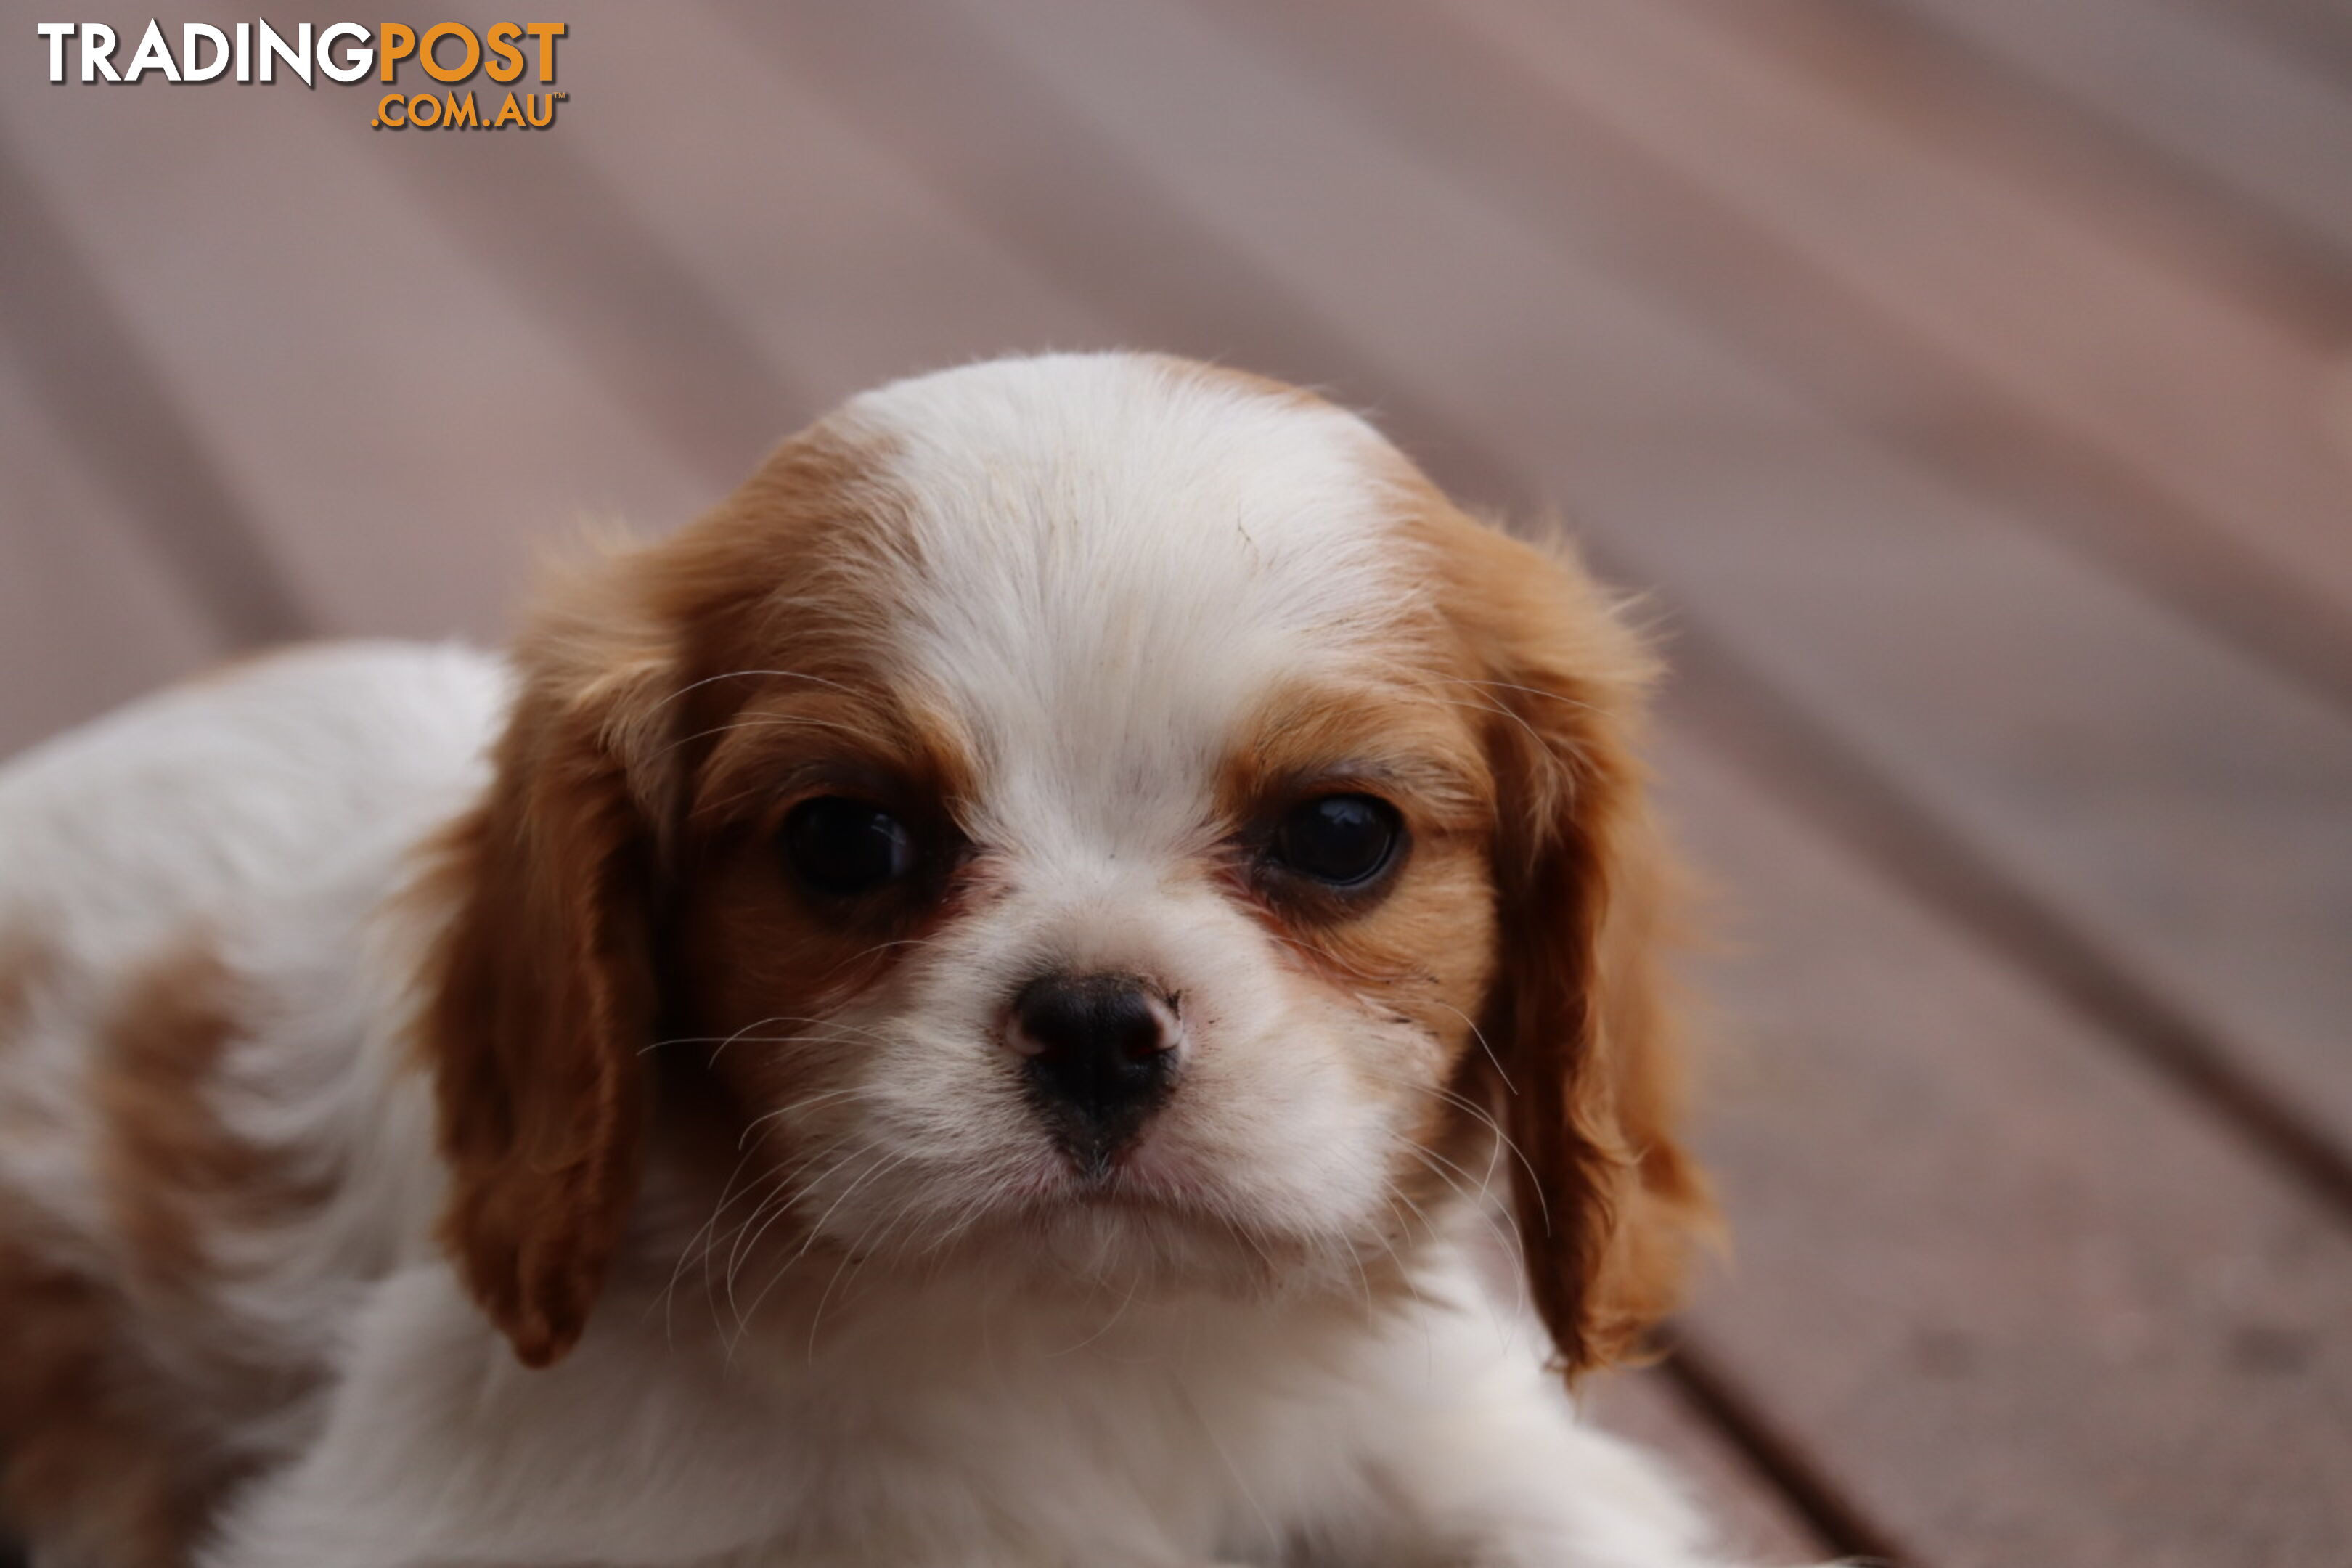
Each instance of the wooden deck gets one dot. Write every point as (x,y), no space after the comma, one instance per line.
(1971,381)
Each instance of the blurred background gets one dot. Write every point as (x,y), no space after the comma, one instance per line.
(1968,384)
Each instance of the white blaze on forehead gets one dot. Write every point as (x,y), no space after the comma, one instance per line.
(1115,558)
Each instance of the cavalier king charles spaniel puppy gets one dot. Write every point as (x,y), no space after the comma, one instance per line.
(1070,979)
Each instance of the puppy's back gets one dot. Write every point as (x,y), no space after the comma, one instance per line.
(188,890)
(238,786)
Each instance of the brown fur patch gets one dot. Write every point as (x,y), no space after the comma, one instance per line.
(84,1468)
(671,699)
(1418,943)
(170,1172)
(26,959)
(106,1459)
(1528,927)
(1585,1073)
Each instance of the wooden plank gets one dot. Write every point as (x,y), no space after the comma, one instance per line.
(2215,404)
(2319,31)
(848,267)
(2255,117)
(834,271)
(1039,179)
(2031,1305)
(2165,818)
(1614,136)
(405,438)
(577,252)
(1971,103)
(88,616)
(78,361)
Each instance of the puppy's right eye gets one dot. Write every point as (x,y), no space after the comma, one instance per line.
(843,848)
(1341,840)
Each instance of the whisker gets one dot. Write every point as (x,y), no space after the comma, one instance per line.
(817,1229)
(855,1256)
(801,1104)
(780,1202)
(707,1231)
(847,1030)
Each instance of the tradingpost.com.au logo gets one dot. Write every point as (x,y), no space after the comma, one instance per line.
(448,52)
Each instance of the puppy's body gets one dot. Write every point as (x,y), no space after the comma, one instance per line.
(369,1016)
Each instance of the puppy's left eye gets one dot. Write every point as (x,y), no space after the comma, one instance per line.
(1341,839)
(843,848)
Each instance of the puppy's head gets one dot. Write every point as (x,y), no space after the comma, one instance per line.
(1100,815)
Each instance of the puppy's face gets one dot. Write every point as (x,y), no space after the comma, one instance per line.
(1075,813)
(1118,871)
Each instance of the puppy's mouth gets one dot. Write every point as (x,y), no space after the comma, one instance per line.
(1136,1175)
(1115,1188)
(1099,1157)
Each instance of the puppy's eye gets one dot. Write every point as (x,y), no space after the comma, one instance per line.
(1342,840)
(843,848)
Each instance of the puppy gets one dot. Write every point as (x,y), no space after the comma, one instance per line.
(1070,978)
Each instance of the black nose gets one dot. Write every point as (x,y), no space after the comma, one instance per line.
(1098,1050)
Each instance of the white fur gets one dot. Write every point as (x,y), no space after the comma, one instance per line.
(1110,564)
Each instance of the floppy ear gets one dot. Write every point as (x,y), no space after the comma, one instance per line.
(540,993)
(1584,1075)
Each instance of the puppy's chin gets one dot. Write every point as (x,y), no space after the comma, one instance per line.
(1151,1228)
(1108,1243)
(1104,1256)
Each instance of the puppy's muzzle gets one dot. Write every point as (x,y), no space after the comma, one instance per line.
(1098,1055)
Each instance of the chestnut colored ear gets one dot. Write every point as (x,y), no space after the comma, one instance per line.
(540,992)
(1587,1082)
